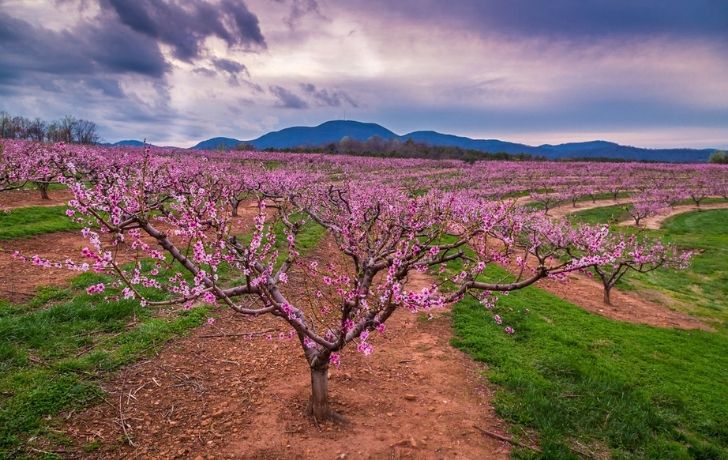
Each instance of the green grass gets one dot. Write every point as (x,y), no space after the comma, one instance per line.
(602,215)
(574,377)
(55,349)
(34,220)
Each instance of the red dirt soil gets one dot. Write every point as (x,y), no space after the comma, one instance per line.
(18,280)
(22,198)
(227,397)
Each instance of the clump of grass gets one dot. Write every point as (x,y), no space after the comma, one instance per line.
(602,215)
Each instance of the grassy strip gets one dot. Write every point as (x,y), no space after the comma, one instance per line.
(34,220)
(612,214)
(631,390)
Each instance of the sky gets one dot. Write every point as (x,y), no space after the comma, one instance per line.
(650,73)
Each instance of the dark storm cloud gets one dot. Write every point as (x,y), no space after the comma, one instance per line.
(110,67)
(287,99)
(33,52)
(325,98)
(185,26)
(300,9)
(233,69)
(123,39)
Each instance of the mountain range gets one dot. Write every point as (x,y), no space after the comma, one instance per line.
(334,131)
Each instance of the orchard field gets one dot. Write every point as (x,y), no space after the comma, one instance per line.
(160,303)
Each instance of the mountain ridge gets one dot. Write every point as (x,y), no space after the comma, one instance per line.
(335,130)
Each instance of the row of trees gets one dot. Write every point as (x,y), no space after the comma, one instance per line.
(377,146)
(67,129)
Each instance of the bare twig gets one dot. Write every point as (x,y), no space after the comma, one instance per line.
(240,334)
(121,417)
(506,439)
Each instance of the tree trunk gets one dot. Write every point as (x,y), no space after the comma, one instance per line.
(319,404)
(607,299)
(235,204)
(43,187)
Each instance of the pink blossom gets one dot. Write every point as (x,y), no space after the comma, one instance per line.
(96,288)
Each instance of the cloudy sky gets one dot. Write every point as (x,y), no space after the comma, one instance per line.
(651,73)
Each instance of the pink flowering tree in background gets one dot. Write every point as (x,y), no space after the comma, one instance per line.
(547,201)
(14,165)
(620,254)
(646,205)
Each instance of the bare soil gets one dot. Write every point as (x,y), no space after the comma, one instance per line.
(19,280)
(416,397)
(21,198)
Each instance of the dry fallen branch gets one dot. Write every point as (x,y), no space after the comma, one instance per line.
(506,439)
(238,334)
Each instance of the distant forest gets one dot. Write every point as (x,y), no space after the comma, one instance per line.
(67,129)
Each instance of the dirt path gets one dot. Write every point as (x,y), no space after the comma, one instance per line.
(415,397)
(655,222)
(21,198)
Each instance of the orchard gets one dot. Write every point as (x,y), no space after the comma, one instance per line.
(168,221)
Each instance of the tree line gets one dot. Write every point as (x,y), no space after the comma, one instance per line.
(376,146)
(719,157)
(67,129)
